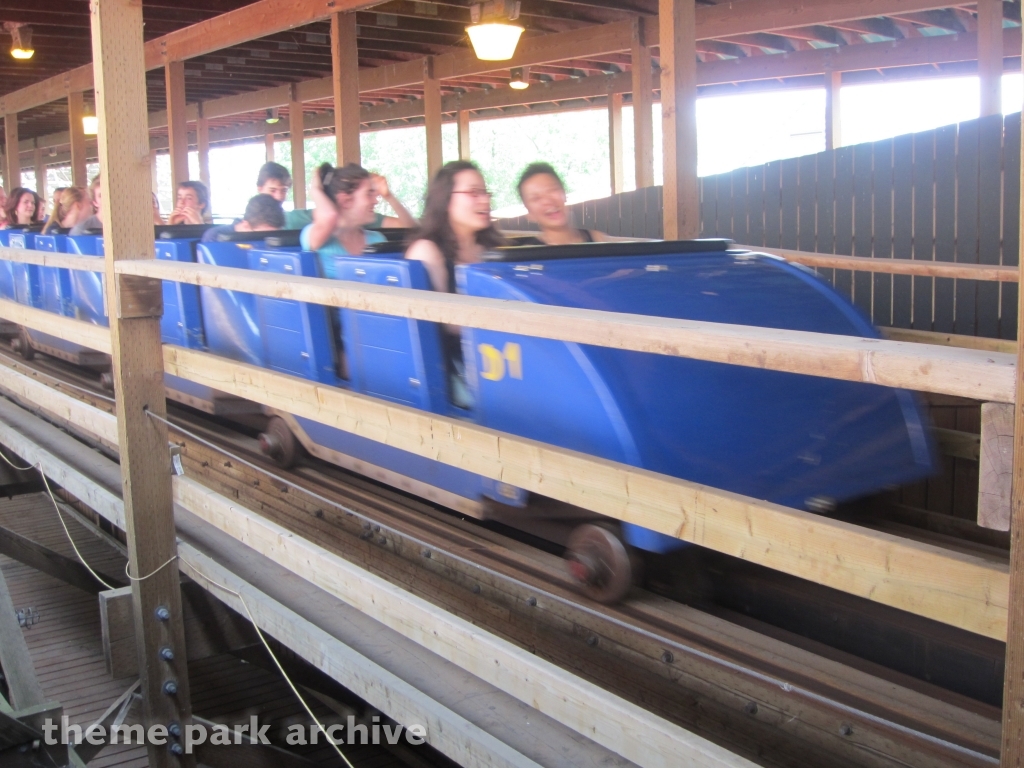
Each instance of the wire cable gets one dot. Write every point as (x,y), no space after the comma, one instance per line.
(689,650)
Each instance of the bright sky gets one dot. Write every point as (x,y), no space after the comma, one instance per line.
(733,132)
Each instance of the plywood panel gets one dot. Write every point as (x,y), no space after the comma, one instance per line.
(844,216)
(924,227)
(945,210)
(967,186)
(903,228)
(990,189)
(789,197)
(773,204)
(882,194)
(1011,222)
(862,224)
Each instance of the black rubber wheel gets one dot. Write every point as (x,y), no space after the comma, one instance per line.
(279,443)
(599,562)
(22,346)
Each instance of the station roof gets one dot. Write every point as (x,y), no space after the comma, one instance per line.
(403,30)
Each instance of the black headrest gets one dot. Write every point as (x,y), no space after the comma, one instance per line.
(596,250)
(248,237)
(57,231)
(388,246)
(394,234)
(27,228)
(180,231)
(282,238)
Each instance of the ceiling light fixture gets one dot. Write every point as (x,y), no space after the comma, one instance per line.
(273,116)
(520,78)
(21,40)
(492,36)
(90,123)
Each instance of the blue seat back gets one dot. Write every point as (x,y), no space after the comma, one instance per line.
(393,358)
(55,283)
(230,318)
(27,286)
(88,294)
(297,336)
(6,271)
(182,321)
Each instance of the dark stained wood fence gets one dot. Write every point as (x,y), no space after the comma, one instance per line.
(948,194)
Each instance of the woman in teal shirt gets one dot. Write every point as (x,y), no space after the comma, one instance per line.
(344,198)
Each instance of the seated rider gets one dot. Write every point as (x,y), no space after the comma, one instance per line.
(263,213)
(300,218)
(456,228)
(543,193)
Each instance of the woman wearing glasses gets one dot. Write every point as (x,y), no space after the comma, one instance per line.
(455,228)
(543,193)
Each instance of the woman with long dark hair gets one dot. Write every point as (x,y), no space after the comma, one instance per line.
(345,198)
(543,193)
(456,226)
(23,208)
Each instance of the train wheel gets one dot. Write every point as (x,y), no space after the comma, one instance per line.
(599,562)
(21,345)
(279,443)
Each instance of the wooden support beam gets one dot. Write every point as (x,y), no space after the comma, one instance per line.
(462,120)
(177,127)
(345,79)
(643,102)
(268,142)
(1013,688)
(45,560)
(203,147)
(679,118)
(67,328)
(1004,346)
(432,117)
(833,110)
(615,159)
(995,468)
(39,166)
(297,126)
(19,672)
(12,172)
(76,134)
(990,56)
(119,61)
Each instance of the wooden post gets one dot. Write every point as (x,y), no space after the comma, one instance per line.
(1013,683)
(177,127)
(135,309)
(203,146)
(345,61)
(462,117)
(153,171)
(833,114)
(12,173)
(297,122)
(432,117)
(76,131)
(40,168)
(643,106)
(268,141)
(990,56)
(615,142)
(679,118)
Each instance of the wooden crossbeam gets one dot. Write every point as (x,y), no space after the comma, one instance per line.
(49,259)
(963,372)
(76,331)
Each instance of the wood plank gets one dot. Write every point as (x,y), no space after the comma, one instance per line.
(462,119)
(773,204)
(119,57)
(48,259)
(963,590)
(643,103)
(203,149)
(945,211)
(843,281)
(924,227)
(990,57)
(990,183)
(432,117)
(903,228)
(12,171)
(345,79)
(1011,222)
(740,205)
(76,135)
(806,213)
(177,126)
(678,47)
(709,206)
(862,223)
(978,272)
(76,331)
(967,225)
(833,109)
(960,372)
(825,205)
(949,340)
(615,148)
(882,230)
(996,466)
(789,201)
(19,672)
(296,127)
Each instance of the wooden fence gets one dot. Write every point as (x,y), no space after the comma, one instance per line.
(951,194)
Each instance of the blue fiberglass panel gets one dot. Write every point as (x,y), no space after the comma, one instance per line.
(296,335)
(26,278)
(393,358)
(6,270)
(182,321)
(781,437)
(88,288)
(230,318)
(56,283)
